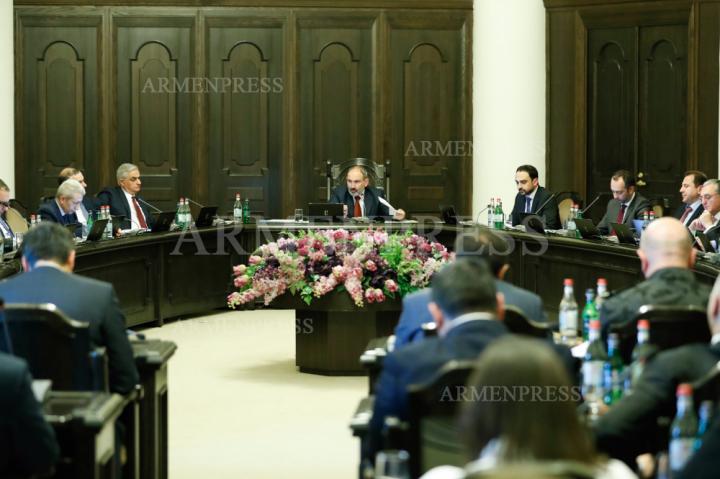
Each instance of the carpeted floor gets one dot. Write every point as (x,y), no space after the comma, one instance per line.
(239,409)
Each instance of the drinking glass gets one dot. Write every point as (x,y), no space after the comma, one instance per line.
(392,464)
(298,214)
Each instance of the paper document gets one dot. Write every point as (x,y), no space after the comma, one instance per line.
(390,207)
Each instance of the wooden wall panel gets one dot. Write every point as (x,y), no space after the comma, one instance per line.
(57,89)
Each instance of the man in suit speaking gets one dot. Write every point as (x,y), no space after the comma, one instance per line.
(360,199)
(533,199)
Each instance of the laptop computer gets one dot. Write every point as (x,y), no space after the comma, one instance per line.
(703,242)
(624,233)
(587,228)
(97,230)
(448,215)
(163,220)
(325,211)
(73,228)
(206,216)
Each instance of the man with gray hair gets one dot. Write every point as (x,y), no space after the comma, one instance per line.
(707,222)
(5,229)
(666,258)
(124,200)
(68,198)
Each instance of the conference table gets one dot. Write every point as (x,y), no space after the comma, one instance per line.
(159,276)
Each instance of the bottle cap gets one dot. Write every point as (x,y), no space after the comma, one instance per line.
(602,281)
(643,324)
(568,282)
(684,389)
(595,324)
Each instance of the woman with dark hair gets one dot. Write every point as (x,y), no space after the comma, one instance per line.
(522,419)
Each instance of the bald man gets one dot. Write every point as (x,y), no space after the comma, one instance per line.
(666,258)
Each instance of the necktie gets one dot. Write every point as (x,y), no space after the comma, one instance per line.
(528,204)
(358,210)
(6,231)
(138,212)
(621,213)
(685,214)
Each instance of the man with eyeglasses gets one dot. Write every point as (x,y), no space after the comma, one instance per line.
(626,204)
(708,220)
(89,203)
(68,198)
(124,200)
(5,229)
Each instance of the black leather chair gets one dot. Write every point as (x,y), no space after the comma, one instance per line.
(670,326)
(55,347)
(517,323)
(432,436)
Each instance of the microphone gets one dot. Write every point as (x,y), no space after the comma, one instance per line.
(328,169)
(477,218)
(590,205)
(195,202)
(132,222)
(157,210)
(545,203)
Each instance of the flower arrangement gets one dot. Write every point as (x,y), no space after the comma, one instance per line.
(370,265)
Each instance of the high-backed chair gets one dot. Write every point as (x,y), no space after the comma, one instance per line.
(55,347)
(432,437)
(16,221)
(670,326)
(379,174)
(565,200)
(517,323)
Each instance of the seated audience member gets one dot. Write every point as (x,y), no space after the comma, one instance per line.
(27,443)
(629,428)
(62,209)
(359,198)
(89,203)
(691,207)
(523,413)
(48,260)
(626,204)
(666,258)
(482,245)
(468,313)
(5,229)
(124,200)
(533,198)
(707,222)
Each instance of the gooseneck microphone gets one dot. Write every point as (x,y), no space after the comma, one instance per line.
(545,203)
(590,205)
(477,218)
(157,210)
(195,202)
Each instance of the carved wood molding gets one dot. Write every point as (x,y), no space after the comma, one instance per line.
(389,4)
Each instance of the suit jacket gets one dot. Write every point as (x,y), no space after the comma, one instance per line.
(634,211)
(27,442)
(629,427)
(119,205)
(82,299)
(696,214)
(713,234)
(50,211)
(418,363)
(550,213)
(415,313)
(373,207)
(666,286)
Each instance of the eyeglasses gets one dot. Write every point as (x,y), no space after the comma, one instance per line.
(5,204)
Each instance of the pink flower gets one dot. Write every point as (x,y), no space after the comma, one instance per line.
(317,244)
(391,285)
(339,273)
(340,235)
(241,281)
(379,296)
(239,269)
(370,295)
(370,265)
(254,259)
(303,250)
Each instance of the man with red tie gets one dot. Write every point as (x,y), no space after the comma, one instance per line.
(626,204)
(691,207)
(124,200)
(360,199)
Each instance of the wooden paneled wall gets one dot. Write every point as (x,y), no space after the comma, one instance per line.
(214,100)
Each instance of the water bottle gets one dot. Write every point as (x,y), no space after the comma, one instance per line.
(246,210)
(571,227)
(682,430)
(109,226)
(642,351)
(613,371)
(706,416)
(602,293)
(592,371)
(589,313)
(491,213)
(237,209)
(568,314)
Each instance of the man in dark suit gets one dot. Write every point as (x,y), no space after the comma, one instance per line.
(360,199)
(626,205)
(708,222)
(68,199)
(124,200)
(48,260)
(27,443)
(533,199)
(479,245)
(5,229)
(89,204)
(468,312)
(629,428)
(666,260)
(691,207)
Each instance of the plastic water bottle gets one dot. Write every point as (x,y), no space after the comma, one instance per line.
(568,313)
(109,226)
(571,227)
(246,210)
(641,352)
(589,313)
(491,213)
(682,430)
(602,293)
(592,371)
(613,379)
(237,209)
